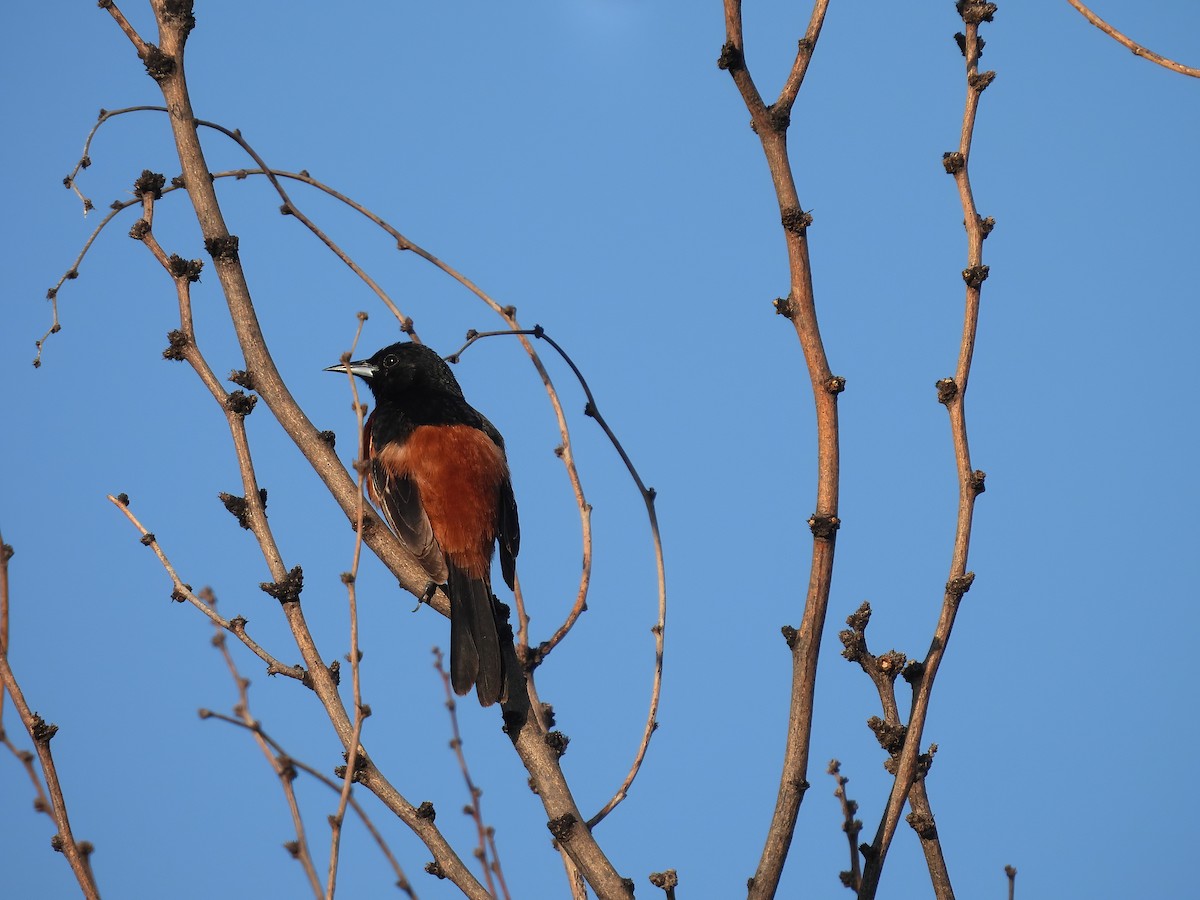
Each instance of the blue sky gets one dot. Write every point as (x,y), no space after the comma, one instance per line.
(588,163)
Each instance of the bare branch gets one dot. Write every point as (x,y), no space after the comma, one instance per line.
(486,835)
(771,125)
(1136,48)
(648,497)
(41,733)
(183,592)
(952,393)
(280,764)
(851,826)
(361,711)
(922,822)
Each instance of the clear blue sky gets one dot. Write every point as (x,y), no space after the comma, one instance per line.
(587,162)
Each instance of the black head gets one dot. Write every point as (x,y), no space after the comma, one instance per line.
(405,369)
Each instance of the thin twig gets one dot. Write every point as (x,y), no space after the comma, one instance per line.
(77,853)
(1011,873)
(255,727)
(484,833)
(183,592)
(952,393)
(1136,48)
(355,657)
(648,497)
(280,764)
(851,826)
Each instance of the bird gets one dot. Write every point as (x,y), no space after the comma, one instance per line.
(437,470)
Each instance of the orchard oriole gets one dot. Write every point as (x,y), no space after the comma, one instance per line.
(440,476)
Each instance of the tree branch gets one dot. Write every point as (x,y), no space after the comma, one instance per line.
(771,125)
(952,393)
(1136,48)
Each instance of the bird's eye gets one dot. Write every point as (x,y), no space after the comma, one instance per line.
(390,360)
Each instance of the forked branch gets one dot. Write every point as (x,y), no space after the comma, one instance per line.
(771,124)
(911,762)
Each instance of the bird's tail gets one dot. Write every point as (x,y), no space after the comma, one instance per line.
(475,654)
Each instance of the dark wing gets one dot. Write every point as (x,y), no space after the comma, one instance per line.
(508,529)
(508,533)
(400,501)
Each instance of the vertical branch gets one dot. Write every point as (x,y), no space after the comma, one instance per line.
(771,124)
(851,826)
(361,711)
(63,841)
(485,834)
(952,393)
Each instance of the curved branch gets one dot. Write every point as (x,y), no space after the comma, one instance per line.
(1134,47)
(592,410)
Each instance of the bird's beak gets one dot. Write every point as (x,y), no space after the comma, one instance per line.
(362,368)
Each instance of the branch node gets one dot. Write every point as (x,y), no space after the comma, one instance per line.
(958,586)
(563,827)
(824,527)
(977,481)
(42,733)
(177,344)
(239,508)
(240,403)
(557,741)
(784,306)
(242,378)
(149,183)
(980,80)
(975,276)
(975,11)
(953,162)
(796,221)
(222,249)
(947,390)
(731,58)
(288,588)
(890,737)
(668,880)
(184,269)
(913,672)
(923,825)
(435,869)
(835,384)
(159,65)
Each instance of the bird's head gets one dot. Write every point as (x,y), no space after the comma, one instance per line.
(401,368)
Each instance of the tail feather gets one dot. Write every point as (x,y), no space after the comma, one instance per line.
(475,654)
